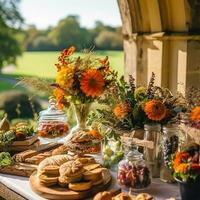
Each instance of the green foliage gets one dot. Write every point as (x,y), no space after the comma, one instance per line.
(109,40)
(69,32)
(18,105)
(5,159)
(9,19)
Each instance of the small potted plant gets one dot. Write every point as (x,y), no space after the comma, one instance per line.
(186,167)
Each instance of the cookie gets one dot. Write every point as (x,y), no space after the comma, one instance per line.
(71,168)
(90,167)
(98,181)
(48,181)
(93,175)
(51,170)
(80,186)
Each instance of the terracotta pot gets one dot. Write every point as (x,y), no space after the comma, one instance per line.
(189,191)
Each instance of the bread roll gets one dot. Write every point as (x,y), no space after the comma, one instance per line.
(144,196)
(53,160)
(103,196)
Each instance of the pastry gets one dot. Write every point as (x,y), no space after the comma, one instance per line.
(80,186)
(144,196)
(93,175)
(71,168)
(21,157)
(48,181)
(60,150)
(51,170)
(91,166)
(103,196)
(87,160)
(83,142)
(53,160)
(66,180)
(123,196)
(98,181)
(62,182)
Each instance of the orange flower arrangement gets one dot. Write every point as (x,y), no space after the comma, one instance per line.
(195,114)
(155,110)
(92,82)
(81,79)
(180,156)
(186,165)
(121,110)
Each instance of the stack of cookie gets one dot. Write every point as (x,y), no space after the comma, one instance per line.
(77,174)
(50,175)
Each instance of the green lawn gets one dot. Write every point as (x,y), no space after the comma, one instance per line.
(42,63)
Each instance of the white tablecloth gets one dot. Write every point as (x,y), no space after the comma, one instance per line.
(21,186)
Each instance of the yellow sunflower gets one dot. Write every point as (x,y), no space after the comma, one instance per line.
(92,82)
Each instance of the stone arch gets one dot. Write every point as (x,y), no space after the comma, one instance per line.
(162,36)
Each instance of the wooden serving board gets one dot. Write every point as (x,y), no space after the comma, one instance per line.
(59,193)
(26,142)
(19,148)
(19,169)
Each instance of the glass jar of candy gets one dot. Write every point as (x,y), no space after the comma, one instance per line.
(133,172)
(52,124)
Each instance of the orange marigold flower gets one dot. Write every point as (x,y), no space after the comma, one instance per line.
(182,168)
(155,110)
(59,94)
(121,110)
(92,82)
(195,114)
(180,156)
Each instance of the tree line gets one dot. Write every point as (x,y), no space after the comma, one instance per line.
(68,32)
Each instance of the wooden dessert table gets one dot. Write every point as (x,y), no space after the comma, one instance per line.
(18,188)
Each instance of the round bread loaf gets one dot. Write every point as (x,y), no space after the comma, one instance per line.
(53,160)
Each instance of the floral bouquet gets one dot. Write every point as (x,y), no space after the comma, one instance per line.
(186,167)
(80,79)
(191,121)
(185,164)
(129,107)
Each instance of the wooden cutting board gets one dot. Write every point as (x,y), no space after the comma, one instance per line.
(26,142)
(19,169)
(19,148)
(59,193)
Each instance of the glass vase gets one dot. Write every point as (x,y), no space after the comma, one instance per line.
(170,142)
(81,112)
(152,132)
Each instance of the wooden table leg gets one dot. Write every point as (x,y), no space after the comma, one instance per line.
(9,194)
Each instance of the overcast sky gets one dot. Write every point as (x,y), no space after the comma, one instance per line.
(43,13)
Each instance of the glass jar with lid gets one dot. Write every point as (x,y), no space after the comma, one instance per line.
(52,124)
(133,171)
(170,144)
